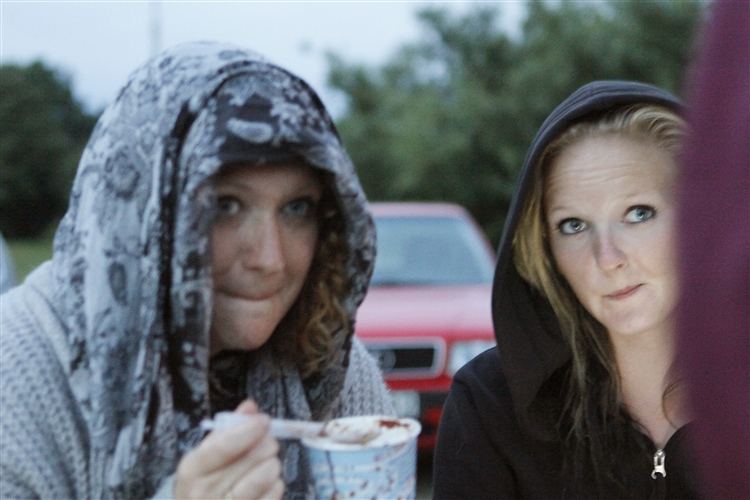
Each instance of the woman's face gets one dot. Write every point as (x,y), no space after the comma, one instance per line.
(263,243)
(610,209)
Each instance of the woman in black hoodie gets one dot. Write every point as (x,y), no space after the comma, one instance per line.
(580,398)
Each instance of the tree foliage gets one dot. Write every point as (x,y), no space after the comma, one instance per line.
(43,130)
(450,117)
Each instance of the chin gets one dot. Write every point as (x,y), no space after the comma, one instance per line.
(257,338)
(244,337)
(631,328)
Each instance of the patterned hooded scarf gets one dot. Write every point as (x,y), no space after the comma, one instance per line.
(132,258)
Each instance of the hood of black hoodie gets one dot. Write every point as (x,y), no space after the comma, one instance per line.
(529,340)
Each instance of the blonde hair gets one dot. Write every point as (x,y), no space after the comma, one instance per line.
(593,362)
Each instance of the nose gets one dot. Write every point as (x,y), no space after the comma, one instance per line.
(608,251)
(263,247)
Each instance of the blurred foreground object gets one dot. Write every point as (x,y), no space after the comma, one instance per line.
(7,271)
(715,218)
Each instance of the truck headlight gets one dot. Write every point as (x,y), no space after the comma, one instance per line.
(463,352)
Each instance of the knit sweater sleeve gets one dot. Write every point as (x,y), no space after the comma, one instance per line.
(44,446)
(364,391)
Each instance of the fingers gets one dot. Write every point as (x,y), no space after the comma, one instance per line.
(253,475)
(241,461)
(263,481)
(264,452)
(222,449)
(247,407)
(276,492)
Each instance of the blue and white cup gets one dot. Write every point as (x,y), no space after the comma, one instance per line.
(383,468)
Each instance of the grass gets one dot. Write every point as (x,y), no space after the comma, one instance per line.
(28,254)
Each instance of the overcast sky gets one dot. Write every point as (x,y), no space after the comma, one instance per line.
(98,43)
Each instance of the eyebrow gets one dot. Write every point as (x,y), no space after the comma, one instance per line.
(304,186)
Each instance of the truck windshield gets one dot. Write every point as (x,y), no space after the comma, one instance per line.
(430,251)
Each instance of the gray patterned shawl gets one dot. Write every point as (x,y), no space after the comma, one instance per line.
(131,256)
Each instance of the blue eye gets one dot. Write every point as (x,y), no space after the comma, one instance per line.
(301,207)
(227,206)
(571,226)
(639,213)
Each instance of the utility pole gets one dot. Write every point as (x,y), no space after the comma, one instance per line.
(154,11)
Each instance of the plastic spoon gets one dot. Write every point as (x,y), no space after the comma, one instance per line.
(299,429)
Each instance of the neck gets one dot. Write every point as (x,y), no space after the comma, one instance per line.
(644,363)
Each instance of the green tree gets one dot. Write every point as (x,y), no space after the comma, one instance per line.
(451,117)
(43,130)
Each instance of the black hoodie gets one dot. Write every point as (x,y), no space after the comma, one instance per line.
(498,437)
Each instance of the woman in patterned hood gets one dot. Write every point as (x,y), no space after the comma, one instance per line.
(215,250)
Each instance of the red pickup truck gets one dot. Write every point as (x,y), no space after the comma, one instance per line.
(428,308)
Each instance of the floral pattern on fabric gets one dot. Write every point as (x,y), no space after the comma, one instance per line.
(132,261)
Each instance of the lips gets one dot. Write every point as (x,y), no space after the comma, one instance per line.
(623,293)
(256,296)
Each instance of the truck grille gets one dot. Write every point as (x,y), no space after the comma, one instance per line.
(413,359)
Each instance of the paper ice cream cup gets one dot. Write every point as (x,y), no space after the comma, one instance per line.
(383,468)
